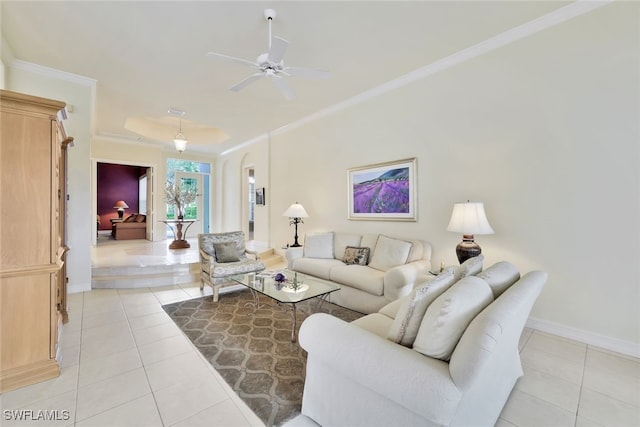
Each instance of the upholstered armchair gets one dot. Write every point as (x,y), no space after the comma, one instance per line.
(223,255)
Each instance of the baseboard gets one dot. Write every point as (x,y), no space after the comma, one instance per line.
(591,338)
(74,289)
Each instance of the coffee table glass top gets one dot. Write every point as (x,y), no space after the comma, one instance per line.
(307,287)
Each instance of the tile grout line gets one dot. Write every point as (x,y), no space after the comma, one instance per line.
(144,367)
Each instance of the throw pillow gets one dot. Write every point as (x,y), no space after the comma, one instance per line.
(406,323)
(342,240)
(389,253)
(470,267)
(318,245)
(500,276)
(141,218)
(130,218)
(356,255)
(226,252)
(449,315)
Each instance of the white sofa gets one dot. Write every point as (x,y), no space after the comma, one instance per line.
(459,371)
(372,269)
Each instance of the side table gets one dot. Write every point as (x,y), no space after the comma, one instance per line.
(176,227)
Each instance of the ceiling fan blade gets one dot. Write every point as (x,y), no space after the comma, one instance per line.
(278,49)
(233,58)
(306,73)
(283,86)
(252,78)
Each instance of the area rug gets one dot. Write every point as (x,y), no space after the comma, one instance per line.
(252,349)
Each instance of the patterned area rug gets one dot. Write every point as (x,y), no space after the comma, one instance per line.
(252,349)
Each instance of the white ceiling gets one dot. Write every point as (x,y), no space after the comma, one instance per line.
(147,56)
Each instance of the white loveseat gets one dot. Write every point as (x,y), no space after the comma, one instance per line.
(444,356)
(372,269)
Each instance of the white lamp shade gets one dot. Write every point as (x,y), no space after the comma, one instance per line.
(469,218)
(296,211)
(120,204)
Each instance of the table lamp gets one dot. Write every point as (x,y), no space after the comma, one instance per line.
(121,206)
(469,219)
(296,212)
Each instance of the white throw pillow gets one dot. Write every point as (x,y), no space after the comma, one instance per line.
(449,315)
(470,267)
(409,316)
(318,245)
(389,253)
(500,276)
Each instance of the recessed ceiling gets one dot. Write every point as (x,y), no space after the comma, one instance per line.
(147,55)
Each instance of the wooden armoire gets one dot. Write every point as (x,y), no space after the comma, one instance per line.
(33,148)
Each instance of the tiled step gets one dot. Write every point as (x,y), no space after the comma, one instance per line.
(144,276)
(270,258)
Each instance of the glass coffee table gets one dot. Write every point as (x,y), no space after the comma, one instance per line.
(298,288)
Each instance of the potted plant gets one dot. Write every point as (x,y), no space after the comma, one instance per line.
(179,197)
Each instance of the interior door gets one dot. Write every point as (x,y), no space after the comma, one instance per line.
(150,220)
(193,181)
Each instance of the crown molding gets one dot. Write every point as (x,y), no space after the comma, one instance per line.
(52,72)
(507,37)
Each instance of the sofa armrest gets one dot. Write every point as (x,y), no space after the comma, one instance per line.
(411,380)
(293,254)
(399,281)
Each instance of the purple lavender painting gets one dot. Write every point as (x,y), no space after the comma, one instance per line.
(382,192)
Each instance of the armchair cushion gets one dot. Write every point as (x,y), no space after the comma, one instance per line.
(226,252)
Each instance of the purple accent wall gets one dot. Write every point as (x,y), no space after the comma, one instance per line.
(116,182)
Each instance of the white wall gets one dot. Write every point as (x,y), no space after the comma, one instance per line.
(544,131)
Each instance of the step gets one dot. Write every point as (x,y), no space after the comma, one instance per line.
(132,277)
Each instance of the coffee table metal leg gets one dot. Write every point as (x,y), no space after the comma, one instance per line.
(293,328)
(256,300)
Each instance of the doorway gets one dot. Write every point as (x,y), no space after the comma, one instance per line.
(193,181)
(251,203)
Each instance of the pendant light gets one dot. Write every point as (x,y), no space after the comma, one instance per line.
(179,140)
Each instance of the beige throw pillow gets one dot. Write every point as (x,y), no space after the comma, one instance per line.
(470,267)
(449,315)
(389,253)
(318,245)
(356,255)
(406,323)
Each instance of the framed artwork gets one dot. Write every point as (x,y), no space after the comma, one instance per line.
(385,191)
(260,199)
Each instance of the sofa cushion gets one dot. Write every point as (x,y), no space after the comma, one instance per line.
(359,277)
(449,315)
(369,241)
(500,276)
(376,323)
(141,218)
(130,218)
(356,255)
(342,240)
(391,309)
(417,250)
(226,252)
(318,245)
(389,253)
(409,316)
(470,267)
(317,267)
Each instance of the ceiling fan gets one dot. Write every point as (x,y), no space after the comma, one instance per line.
(270,65)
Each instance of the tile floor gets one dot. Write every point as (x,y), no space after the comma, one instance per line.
(125,363)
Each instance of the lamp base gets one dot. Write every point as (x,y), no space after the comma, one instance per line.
(120,213)
(295,245)
(467,248)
